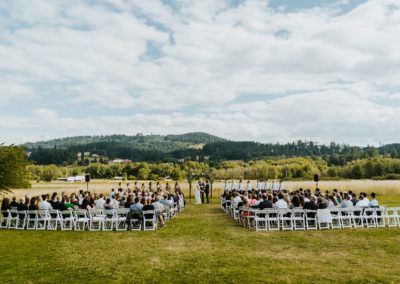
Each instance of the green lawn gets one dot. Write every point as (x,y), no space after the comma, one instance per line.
(202,245)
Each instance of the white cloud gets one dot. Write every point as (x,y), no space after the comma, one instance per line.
(318,74)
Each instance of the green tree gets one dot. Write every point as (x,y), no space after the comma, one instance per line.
(13,168)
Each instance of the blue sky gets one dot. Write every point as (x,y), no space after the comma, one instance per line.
(270,71)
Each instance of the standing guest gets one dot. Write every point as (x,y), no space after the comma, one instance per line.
(258,185)
(248,186)
(273,186)
(177,187)
(226,186)
(266,185)
(167,187)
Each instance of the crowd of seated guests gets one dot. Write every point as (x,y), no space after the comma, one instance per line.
(136,199)
(305,199)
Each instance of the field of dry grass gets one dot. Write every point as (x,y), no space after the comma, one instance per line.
(382,188)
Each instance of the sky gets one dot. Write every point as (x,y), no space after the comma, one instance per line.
(267,71)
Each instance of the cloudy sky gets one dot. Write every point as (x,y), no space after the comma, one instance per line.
(250,70)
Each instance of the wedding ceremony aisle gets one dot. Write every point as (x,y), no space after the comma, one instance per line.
(203,244)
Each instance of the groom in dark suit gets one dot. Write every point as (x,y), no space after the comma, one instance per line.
(207,190)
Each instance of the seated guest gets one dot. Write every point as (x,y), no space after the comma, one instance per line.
(86,203)
(281,203)
(5,204)
(135,212)
(33,204)
(44,205)
(311,205)
(99,203)
(107,205)
(14,203)
(129,201)
(236,200)
(346,203)
(295,202)
(265,203)
(322,203)
(67,204)
(363,201)
(373,202)
(354,199)
(21,205)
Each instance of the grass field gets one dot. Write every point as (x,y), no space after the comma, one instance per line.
(385,187)
(202,244)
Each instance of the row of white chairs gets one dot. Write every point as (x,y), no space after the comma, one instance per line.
(300,219)
(81,219)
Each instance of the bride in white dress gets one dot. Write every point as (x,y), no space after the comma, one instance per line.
(197,193)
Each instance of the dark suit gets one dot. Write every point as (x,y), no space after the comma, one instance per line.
(265,204)
(207,191)
(310,206)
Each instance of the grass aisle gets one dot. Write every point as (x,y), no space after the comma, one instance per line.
(201,245)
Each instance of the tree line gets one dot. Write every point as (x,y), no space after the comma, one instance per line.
(292,169)
(173,151)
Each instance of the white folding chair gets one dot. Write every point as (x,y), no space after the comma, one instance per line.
(285,219)
(67,220)
(136,220)
(380,217)
(298,219)
(12,218)
(357,217)
(346,218)
(110,220)
(369,218)
(272,217)
(31,220)
(324,219)
(96,219)
(336,220)
(55,220)
(260,220)
(81,220)
(391,216)
(121,223)
(42,219)
(21,222)
(4,219)
(311,219)
(149,220)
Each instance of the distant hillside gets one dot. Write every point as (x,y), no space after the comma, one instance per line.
(180,141)
(195,146)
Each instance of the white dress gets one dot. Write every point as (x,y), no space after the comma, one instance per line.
(197,194)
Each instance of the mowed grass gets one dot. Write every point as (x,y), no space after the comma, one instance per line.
(203,244)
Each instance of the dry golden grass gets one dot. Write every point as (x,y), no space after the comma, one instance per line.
(382,188)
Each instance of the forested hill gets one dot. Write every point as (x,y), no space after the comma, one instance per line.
(193,146)
(188,138)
